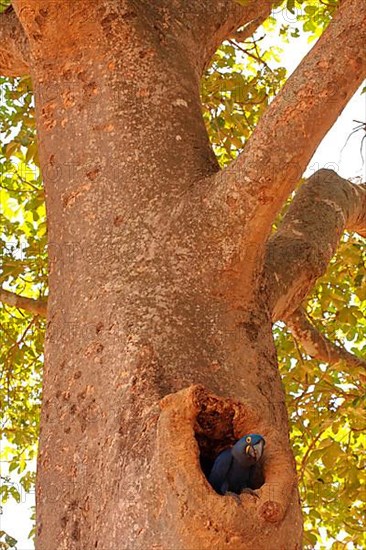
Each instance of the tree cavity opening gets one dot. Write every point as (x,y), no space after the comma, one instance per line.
(219,424)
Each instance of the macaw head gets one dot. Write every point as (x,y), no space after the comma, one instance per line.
(249,449)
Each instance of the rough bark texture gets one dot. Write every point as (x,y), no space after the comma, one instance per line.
(155,274)
(14,48)
(216,522)
(296,122)
(299,252)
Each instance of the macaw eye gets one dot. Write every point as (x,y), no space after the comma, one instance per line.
(248,439)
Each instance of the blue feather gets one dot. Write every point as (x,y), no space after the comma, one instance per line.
(233,468)
(219,472)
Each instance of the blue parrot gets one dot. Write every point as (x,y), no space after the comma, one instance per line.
(233,468)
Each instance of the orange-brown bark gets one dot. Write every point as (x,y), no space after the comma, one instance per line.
(299,252)
(38,307)
(14,50)
(259,181)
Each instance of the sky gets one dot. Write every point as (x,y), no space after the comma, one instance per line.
(334,152)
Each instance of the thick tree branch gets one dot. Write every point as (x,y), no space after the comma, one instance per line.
(208,25)
(14,49)
(38,307)
(285,139)
(299,252)
(233,15)
(316,344)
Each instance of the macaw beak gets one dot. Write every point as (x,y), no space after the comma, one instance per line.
(249,450)
(255,451)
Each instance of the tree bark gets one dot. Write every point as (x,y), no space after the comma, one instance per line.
(14,48)
(258,182)
(300,251)
(38,307)
(159,347)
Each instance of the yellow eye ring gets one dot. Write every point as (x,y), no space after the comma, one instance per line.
(248,439)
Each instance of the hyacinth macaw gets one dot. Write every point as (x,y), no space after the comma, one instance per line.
(233,468)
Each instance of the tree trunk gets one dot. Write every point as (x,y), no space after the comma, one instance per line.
(159,345)
(142,304)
